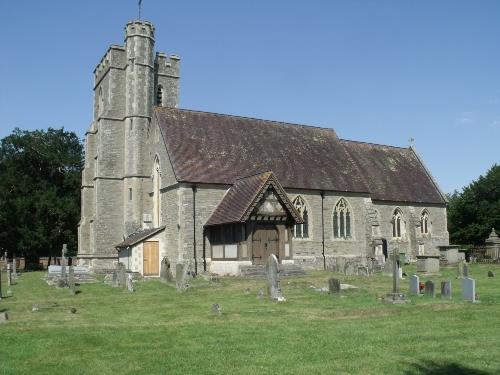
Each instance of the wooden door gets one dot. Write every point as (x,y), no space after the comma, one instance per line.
(265,241)
(151,258)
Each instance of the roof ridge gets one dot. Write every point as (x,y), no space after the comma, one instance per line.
(373,143)
(250,118)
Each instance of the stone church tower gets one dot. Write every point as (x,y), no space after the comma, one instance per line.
(128,81)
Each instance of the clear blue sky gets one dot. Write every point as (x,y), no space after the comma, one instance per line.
(375,71)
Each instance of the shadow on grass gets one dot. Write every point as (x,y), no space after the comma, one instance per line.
(434,368)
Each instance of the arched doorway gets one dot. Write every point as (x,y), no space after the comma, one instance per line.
(265,241)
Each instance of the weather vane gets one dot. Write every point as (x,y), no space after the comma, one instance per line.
(139,5)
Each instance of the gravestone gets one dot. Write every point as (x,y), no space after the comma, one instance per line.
(415,284)
(14,267)
(491,274)
(4,317)
(130,283)
(445,289)
(71,280)
(9,280)
(165,272)
(350,269)
(260,294)
(180,276)
(273,283)
(460,269)
(469,289)
(115,283)
(429,289)
(63,261)
(122,276)
(334,286)
(216,309)
(396,297)
(466,270)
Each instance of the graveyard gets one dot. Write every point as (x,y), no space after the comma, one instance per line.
(230,325)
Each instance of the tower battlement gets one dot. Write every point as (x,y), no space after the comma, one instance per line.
(139,28)
(114,57)
(167,65)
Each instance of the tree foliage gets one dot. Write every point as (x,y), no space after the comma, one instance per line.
(39,192)
(474,211)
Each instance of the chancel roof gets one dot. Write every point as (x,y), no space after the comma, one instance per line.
(219,149)
(242,200)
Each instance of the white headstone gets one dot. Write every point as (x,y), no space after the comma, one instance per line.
(469,289)
(414,284)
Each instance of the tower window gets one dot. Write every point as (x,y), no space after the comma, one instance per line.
(159,96)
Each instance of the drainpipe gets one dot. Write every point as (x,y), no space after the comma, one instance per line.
(204,250)
(194,230)
(323,228)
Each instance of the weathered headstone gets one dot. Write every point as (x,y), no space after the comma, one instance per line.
(114,279)
(466,270)
(469,289)
(14,267)
(445,289)
(130,283)
(63,261)
(429,289)
(491,274)
(415,284)
(122,276)
(180,276)
(260,294)
(9,280)
(216,309)
(71,280)
(4,317)
(165,272)
(460,269)
(273,283)
(333,286)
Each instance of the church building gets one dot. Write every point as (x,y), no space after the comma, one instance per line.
(221,192)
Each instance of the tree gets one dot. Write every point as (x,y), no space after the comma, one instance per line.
(474,211)
(39,192)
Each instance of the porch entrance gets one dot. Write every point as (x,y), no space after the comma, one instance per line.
(265,241)
(151,258)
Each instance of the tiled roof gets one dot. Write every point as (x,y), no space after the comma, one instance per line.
(218,149)
(138,236)
(243,196)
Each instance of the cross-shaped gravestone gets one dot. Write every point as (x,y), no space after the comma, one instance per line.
(395,297)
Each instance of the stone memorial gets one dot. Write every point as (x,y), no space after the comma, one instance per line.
(71,280)
(4,317)
(273,283)
(428,263)
(469,289)
(396,297)
(460,269)
(115,283)
(466,270)
(260,294)
(180,276)
(14,267)
(216,309)
(449,254)
(130,283)
(122,276)
(333,286)
(445,289)
(165,272)
(1,284)
(429,289)
(415,284)
(63,261)
(9,280)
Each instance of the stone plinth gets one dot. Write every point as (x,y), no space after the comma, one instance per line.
(449,253)
(428,263)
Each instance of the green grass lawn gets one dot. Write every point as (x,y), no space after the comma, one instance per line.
(157,330)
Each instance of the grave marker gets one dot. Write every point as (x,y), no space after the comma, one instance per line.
(130,283)
(122,276)
(415,284)
(165,272)
(395,297)
(0,284)
(9,280)
(14,267)
(180,276)
(445,289)
(273,283)
(469,289)
(491,274)
(466,270)
(429,289)
(71,280)
(334,286)
(460,269)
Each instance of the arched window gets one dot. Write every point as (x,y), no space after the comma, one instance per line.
(424,222)
(301,230)
(156,193)
(342,220)
(159,96)
(397,223)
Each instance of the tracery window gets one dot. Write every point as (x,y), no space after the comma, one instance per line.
(424,222)
(342,220)
(301,230)
(159,96)
(397,223)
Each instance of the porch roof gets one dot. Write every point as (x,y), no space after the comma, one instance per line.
(138,236)
(241,199)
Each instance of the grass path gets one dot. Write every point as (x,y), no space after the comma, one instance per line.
(159,331)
